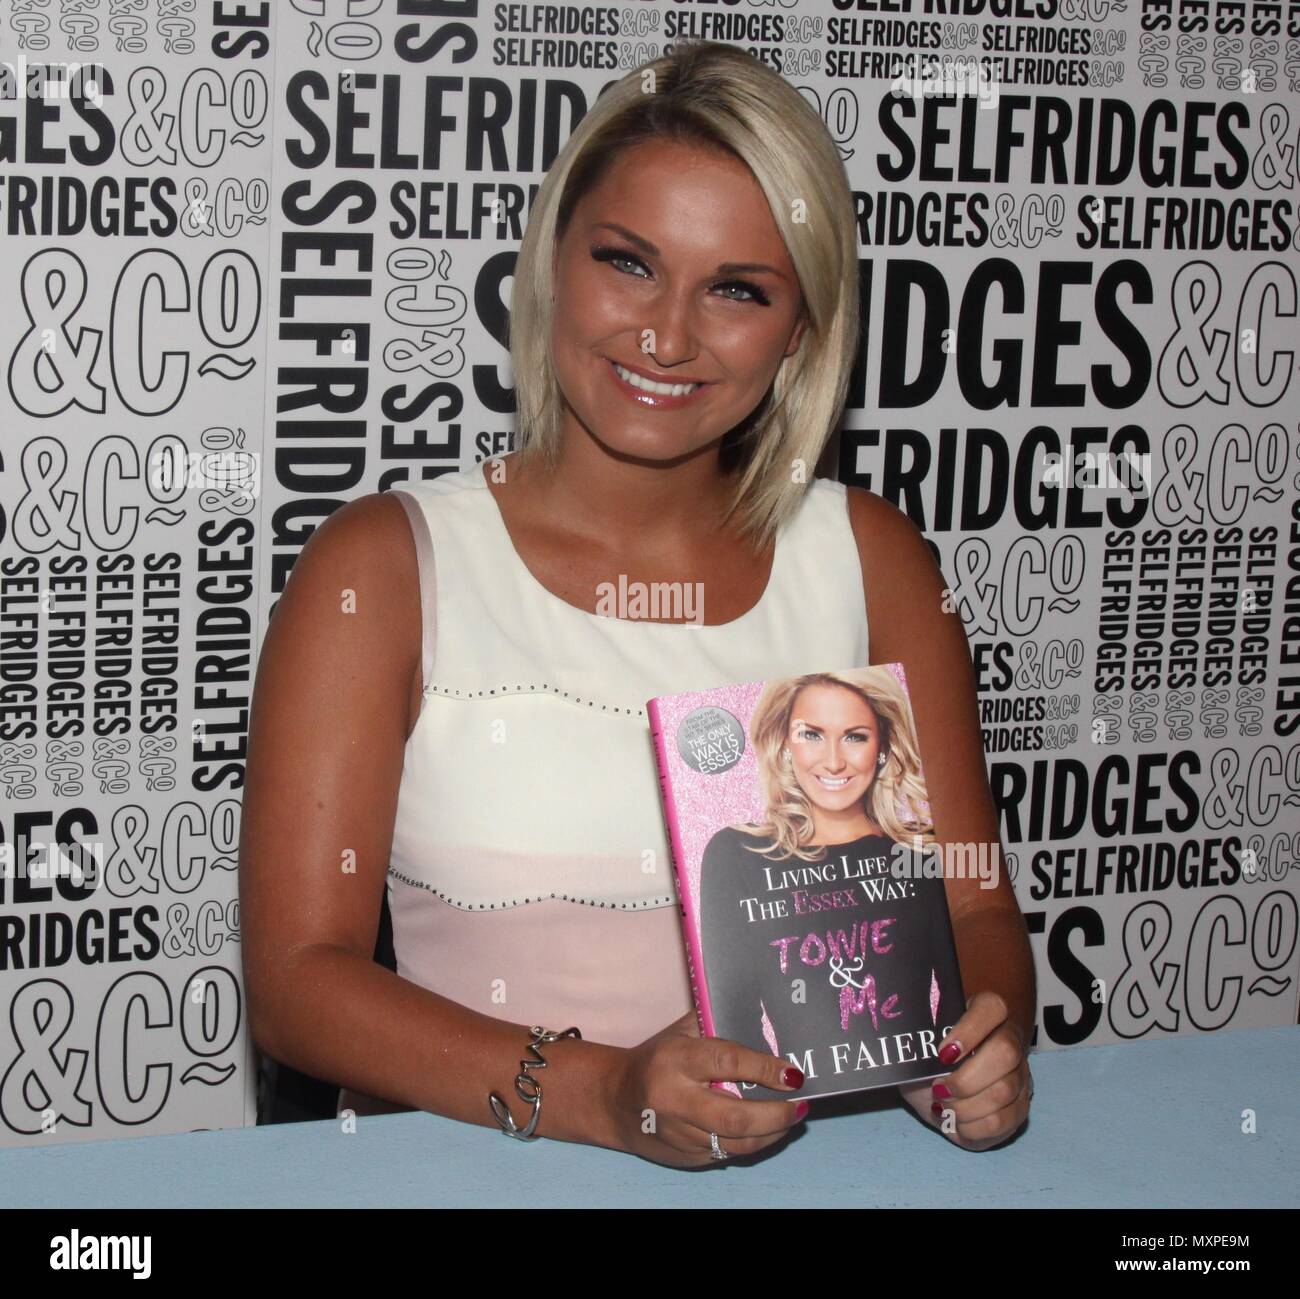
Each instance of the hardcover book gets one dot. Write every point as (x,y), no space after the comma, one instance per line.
(810,881)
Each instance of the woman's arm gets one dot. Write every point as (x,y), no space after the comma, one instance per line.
(329,727)
(913,622)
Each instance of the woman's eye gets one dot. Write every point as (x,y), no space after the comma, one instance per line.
(615,255)
(755,293)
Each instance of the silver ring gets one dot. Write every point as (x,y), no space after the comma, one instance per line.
(718,1152)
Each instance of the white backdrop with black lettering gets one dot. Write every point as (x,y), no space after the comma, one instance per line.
(257,262)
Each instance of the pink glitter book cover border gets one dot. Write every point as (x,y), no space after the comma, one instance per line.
(696,805)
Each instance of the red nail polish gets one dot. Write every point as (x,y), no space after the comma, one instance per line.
(941,1093)
(792,1076)
(949,1053)
(801,1111)
(936,1109)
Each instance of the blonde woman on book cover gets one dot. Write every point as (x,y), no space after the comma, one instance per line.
(449,708)
(842,785)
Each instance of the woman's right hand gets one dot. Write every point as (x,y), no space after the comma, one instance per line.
(663,1108)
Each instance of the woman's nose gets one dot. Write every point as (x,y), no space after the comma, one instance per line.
(670,335)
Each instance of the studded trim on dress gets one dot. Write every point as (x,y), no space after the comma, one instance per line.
(541,897)
(451,692)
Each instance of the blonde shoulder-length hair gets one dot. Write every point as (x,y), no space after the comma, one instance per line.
(720,97)
(896,799)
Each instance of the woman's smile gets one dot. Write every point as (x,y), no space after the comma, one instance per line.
(650,394)
(834,782)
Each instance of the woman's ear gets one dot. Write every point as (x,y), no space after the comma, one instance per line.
(797,336)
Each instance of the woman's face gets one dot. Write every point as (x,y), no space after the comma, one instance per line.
(657,296)
(834,741)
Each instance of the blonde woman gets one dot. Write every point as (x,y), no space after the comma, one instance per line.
(446,710)
(838,759)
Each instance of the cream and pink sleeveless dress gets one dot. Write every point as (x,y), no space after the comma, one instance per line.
(530,876)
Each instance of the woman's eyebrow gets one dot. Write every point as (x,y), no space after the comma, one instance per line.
(830,730)
(727,268)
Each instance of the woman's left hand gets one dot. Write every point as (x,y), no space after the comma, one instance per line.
(986,1097)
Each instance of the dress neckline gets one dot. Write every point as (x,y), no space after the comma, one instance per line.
(528,576)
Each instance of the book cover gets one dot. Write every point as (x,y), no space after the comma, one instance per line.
(812,897)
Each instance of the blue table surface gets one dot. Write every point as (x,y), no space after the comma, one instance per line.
(1144,1124)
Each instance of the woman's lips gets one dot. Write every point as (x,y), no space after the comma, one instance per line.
(828,782)
(653,400)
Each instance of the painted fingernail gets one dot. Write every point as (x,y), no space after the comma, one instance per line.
(936,1109)
(941,1093)
(949,1053)
(792,1076)
(801,1111)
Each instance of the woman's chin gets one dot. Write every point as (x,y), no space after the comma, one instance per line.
(649,444)
(654,448)
(827,803)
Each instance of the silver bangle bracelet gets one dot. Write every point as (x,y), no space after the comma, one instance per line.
(527,1087)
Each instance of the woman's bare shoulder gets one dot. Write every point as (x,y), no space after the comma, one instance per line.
(354,588)
(884,532)
(369,534)
(898,564)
